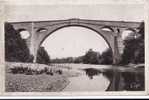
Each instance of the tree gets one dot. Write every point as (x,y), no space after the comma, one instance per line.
(42,56)
(15,47)
(134,48)
(106,57)
(78,59)
(91,57)
(130,48)
(139,53)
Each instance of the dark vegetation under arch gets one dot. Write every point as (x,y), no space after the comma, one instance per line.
(90,57)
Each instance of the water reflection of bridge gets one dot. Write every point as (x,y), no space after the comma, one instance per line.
(116,75)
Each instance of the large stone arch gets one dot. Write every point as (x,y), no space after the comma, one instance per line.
(67,26)
(113,38)
(107,36)
(109,40)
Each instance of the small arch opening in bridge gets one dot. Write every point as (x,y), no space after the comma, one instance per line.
(42,30)
(107,28)
(24,33)
(128,34)
(73,41)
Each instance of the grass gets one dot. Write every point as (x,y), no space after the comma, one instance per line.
(34,83)
(25,77)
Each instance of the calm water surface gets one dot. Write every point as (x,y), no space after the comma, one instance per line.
(95,79)
(91,80)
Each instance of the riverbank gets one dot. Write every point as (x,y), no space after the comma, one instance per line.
(23,82)
(35,83)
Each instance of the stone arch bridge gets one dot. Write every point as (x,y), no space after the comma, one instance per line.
(111,31)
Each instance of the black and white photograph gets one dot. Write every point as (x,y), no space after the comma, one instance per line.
(74,48)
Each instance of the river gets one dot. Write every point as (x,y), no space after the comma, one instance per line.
(91,80)
(96,79)
(84,83)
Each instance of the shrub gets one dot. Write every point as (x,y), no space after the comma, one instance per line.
(29,71)
(49,72)
(59,71)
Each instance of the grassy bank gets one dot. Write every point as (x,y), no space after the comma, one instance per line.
(35,83)
(28,77)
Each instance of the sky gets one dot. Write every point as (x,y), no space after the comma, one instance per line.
(123,12)
(74,41)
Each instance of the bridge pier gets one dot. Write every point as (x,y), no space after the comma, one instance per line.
(116,53)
